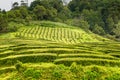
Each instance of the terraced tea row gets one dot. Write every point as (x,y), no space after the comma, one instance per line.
(64,35)
(58,54)
(88,61)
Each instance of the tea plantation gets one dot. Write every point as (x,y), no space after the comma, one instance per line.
(56,51)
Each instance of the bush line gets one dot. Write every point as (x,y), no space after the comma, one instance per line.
(87,61)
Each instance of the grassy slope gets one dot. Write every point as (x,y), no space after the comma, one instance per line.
(58,32)
(54,31)
(31,49)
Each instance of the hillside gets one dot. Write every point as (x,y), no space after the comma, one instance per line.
(57,32)
(60,40)
(50,51)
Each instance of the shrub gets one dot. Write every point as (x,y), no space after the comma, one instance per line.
(58,71)
(74,67)
(91,75)
(57,74)
(32,73)
(114,76)
(19,66)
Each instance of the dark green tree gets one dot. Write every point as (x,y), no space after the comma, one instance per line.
(98,30)
(3,23)
(23,11)
(15,5)
(40,12)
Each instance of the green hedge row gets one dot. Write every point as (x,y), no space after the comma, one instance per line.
(3,50)
(7,53)
(32,58)
(115,55)
(30,51)
(67,51)
(26,47)
(87,61)
(87,56)
(6,70)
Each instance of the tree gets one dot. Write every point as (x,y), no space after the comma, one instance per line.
(65,14)
(57,4)
(11,15)
(40,12)
(23,11)
(3,23)
(116,30)
(45,3)
(15,5)
(81,23)
(110,25)
(98,30)
(4,11)
(17,14)
(93,17)
(51,14)
(0,10)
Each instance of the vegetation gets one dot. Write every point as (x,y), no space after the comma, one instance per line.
(31,52)
(49,40)
(77,12)
(56,33)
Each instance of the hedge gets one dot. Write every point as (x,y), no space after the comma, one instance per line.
(87,61)
(32,58)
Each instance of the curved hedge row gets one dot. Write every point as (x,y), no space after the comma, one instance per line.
(99,56)
(87,61)
(65,35)
(32,58)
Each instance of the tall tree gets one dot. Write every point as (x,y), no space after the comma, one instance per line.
(40,12)
(15,5)
(3,23)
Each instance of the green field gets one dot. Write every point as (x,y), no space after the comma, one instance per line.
(51,51)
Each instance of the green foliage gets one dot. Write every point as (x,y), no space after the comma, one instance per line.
(98,30)
(87,61)
(7,70)
(15,5)
(116,30)
(3,23)
(40,12)
(32,73)
(28,58)
(114,76)
(19,66)
(103,13)
(91,75)
(38,55)
(58,71)
(57,74)
(81,23)
(101,17)
(51,10)
(14,26)
(24,12)
(74,68)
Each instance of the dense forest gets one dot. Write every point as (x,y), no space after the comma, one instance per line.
(99,16)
